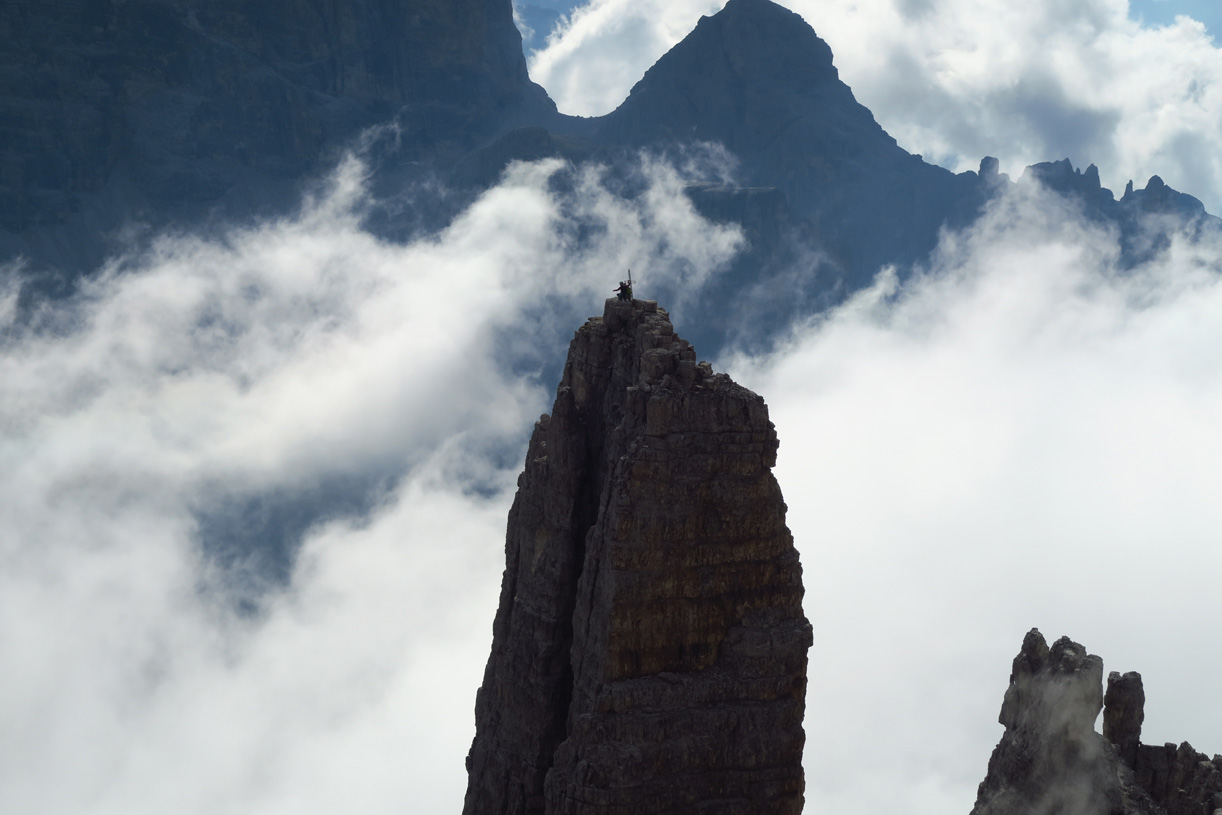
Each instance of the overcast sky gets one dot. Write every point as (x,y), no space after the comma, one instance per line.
(1022,437)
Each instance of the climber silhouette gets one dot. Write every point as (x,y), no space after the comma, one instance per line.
(624,292)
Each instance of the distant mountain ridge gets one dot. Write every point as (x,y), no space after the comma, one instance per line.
(756,78)
(182,112)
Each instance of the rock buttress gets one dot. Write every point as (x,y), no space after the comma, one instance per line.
(649,651)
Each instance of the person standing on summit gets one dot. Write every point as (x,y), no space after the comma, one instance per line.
(624,292)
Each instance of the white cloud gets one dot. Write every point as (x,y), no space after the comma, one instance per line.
(605,46)
(286,355)
(1035,82)
(957,80)
(1023,437)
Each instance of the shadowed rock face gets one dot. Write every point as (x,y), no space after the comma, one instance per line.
(756,78)
(121,117)
(1051,760)
(156,107)
(649,652)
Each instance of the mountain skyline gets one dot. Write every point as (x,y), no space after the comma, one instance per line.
(1024,433)
(1125,86)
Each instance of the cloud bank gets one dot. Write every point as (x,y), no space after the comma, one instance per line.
(145,668)
(1022,436)
(956,80)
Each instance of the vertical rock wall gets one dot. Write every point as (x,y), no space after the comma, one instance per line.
(649,652)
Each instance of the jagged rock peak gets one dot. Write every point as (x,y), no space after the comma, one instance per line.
(739,77)
(990,169)
(649,651)
(760,41)
(1051,760)
(1123,712)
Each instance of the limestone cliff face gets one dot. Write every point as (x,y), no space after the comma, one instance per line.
(649,652)
(1051,760)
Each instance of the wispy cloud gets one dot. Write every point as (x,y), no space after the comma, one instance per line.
(142,418)
(958,80)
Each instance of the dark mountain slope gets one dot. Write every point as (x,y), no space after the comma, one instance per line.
(756,78)
(180,112)
(169,110)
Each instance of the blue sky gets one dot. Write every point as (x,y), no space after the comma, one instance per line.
(1162,12)
(1150,12)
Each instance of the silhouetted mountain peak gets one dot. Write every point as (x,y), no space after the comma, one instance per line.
(764,42)
(753,76)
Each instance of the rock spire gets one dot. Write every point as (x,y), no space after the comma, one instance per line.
(1051,760)
(649,651)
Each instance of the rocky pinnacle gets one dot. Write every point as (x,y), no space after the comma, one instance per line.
(649,651)
(1051,760)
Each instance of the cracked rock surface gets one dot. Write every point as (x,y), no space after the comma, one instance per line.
(649,651)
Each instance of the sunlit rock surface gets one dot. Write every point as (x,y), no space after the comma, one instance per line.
(1051,760)
(649,651)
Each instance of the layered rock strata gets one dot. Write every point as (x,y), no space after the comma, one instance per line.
(649,651)
(1051,760)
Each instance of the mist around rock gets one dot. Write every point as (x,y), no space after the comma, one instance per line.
(1022,434)
(1021,430)
(152,665)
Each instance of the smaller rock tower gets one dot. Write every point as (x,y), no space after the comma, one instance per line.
(1051,760)
(649,651)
